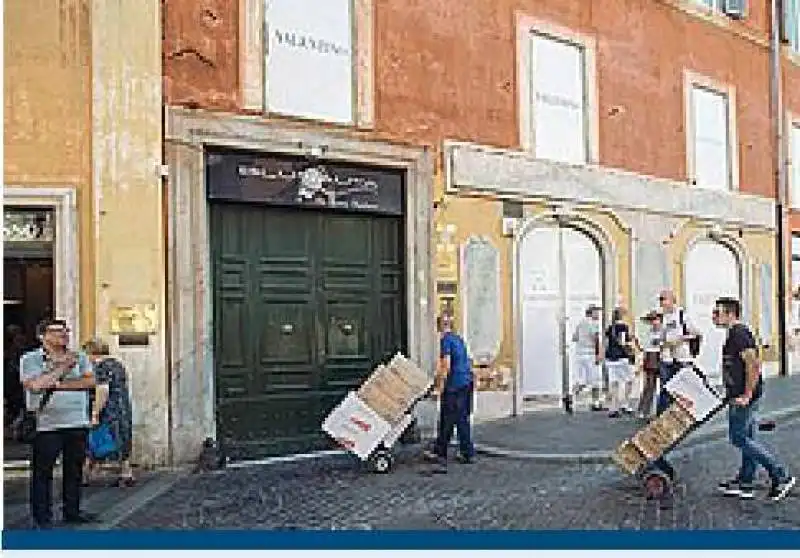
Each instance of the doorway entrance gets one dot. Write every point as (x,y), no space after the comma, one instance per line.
(28,297)
(306,303)
(561,273)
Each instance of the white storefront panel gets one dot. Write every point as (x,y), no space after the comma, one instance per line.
(712,271)
(554,290)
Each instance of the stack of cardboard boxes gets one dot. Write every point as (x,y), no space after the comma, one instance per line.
(654,440)
(392,389)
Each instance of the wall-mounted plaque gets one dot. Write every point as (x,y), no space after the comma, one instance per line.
(481,300)
(134,319)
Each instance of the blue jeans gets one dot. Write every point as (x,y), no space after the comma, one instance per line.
(742,427)
(666,370)
(454,412)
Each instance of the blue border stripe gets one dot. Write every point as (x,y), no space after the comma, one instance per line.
(413,540)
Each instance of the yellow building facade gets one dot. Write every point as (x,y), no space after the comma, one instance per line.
(84,230)
(523,246)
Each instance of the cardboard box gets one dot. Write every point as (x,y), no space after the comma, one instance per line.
(655,438)
(629,458)
(391,390)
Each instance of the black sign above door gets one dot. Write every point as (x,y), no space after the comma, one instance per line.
(296,181)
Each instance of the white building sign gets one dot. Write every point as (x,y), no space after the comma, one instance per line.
(309,59)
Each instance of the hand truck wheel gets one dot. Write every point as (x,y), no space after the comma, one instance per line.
(381,461)
(657,485)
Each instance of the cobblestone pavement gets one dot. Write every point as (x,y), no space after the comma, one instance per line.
(98,498)
(492,494)
(586,431)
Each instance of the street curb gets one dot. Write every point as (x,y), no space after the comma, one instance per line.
(600,457)
(138,500)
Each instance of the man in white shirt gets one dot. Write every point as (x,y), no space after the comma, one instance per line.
(679,335)
(57,382)
(587,355)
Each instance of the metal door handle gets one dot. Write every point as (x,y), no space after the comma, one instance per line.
(287,329)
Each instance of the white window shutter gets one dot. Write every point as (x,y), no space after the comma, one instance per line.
(711,142)
(559,110)
(794,178)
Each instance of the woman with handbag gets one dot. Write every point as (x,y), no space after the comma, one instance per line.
(620,358)
(110,438)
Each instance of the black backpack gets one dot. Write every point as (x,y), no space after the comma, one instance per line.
(694,342)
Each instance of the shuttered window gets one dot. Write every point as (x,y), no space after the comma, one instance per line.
(796,270)
(794,177)
(711,138)
(792,23)
(559,99)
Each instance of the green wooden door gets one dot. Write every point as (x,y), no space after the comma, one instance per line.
(305,304)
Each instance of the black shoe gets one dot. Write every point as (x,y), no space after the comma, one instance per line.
(613,414)
(81,519)
(734,487)
(431,456)
(465,460)
(780,490)
(41,524)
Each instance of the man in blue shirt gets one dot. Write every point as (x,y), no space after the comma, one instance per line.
(456,397)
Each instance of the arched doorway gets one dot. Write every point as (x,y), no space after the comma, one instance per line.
(561,273)
(712,270)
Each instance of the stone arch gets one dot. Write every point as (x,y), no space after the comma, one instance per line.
(699,304)
(607,251)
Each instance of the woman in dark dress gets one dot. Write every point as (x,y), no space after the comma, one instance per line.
(111,406)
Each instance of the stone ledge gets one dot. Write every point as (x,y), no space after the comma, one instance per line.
(510,172)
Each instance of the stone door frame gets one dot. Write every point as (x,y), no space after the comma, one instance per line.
(66,251)
(190,313)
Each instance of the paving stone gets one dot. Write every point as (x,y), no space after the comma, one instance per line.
(549,432)
(495,493)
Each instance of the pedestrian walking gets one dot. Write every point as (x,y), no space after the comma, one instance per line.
(455,372)
(588,356)
(650,363)
(680,345)
(741,371)
(57,381)
(111,410)
(620,358)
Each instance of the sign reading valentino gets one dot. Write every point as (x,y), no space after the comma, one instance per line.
(295,181)
(309,62)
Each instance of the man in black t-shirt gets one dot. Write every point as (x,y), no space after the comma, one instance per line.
(741,370)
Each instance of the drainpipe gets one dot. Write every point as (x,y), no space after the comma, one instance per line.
(779,169)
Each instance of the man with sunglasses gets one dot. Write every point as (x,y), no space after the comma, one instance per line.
(62,378)
(676,352)
(741,369)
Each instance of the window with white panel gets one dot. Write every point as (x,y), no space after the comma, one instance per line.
(792,24)
(711,149)
(559,99)
(794,177)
